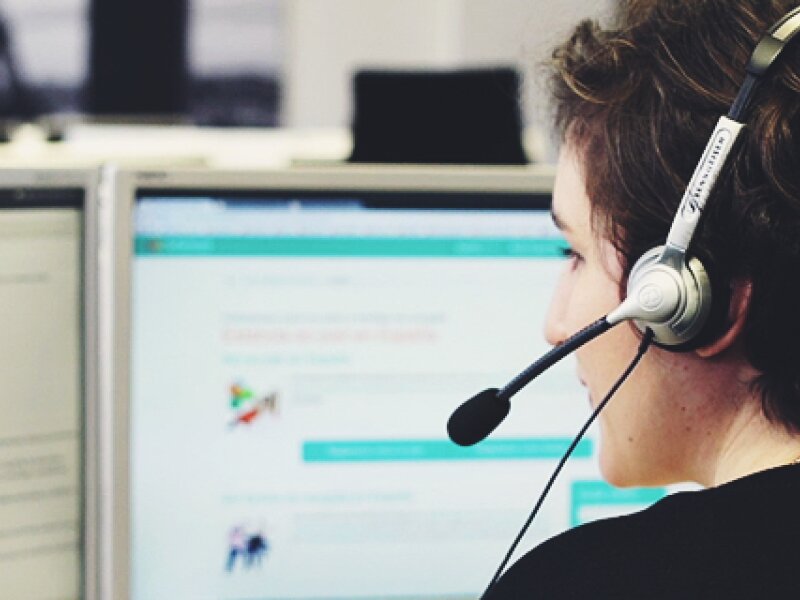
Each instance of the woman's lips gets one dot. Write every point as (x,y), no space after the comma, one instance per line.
(586,387)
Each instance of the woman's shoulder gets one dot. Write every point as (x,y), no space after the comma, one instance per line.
(726,542)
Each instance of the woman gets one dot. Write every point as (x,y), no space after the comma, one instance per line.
(635,104)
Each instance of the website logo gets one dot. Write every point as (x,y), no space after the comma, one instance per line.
(247,406)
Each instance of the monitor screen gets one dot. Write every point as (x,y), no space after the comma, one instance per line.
(295,358)
(41,404)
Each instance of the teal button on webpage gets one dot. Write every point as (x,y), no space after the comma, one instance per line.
(594,499)
(433,450)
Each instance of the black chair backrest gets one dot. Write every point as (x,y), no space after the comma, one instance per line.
(444,117)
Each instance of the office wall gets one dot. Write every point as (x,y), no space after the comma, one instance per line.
(329,39)
(236,36)
(315,45)
(49,38)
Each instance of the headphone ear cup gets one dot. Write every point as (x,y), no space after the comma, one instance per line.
(690,326)
(716,322)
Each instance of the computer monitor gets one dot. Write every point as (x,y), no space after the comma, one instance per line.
(288,348)
(46,384)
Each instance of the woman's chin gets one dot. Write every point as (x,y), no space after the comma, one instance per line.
(615,473)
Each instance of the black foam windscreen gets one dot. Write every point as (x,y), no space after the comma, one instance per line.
(477,417)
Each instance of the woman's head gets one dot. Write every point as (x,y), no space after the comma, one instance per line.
(635,104)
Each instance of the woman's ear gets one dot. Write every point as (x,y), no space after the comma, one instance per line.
(741,293)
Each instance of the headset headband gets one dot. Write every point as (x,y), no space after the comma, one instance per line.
(723,139)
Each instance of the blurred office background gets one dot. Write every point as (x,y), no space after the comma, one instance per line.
(221,59)
(260,62)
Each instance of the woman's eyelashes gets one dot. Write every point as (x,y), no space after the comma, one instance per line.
(571,254)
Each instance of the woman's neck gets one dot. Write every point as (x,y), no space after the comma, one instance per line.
(752,443)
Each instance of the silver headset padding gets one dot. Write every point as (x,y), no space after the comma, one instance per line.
(657,284)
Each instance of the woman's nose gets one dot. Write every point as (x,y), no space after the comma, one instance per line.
(555,331)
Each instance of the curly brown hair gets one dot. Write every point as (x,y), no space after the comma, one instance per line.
(639,99)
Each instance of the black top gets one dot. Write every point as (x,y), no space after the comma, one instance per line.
(739,540)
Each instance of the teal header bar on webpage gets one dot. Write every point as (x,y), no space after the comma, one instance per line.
(440,450)
(186,246)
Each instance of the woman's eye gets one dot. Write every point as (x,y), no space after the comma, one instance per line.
(568,252)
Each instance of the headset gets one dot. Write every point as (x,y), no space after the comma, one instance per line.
(669,291)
